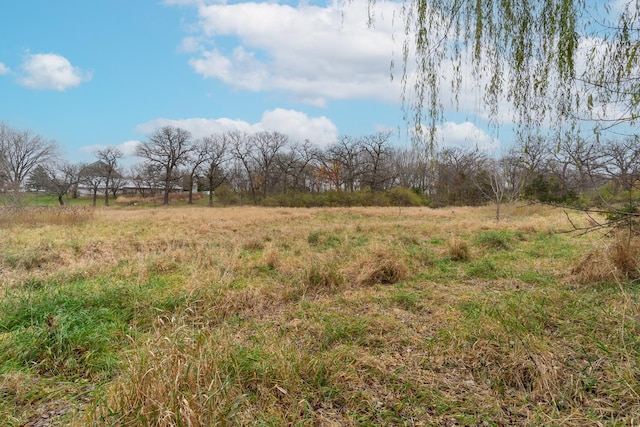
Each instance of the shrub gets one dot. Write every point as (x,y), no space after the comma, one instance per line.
(401,196)
(226,195)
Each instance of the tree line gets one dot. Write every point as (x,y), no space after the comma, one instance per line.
(270,168)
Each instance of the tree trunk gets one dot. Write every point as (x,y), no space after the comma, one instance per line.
(191,191)
(166,193)
(60,200)
(211,192)
(106,193)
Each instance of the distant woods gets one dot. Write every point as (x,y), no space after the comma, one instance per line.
(269,168)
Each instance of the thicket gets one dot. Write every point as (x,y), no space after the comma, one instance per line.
(398,196)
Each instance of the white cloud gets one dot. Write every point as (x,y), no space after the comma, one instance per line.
(51,71)
(297,125)
(128,148)
(4,69)
(315,53)
(466,135)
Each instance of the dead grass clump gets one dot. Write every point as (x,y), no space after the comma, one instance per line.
(624,254)
(15,386)
(536,375)
(458,249)
(619,260)
(271,257)
(519,370)
(253,245)
(380,267)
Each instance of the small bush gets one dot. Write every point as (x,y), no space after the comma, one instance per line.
(226,195)
(401,196)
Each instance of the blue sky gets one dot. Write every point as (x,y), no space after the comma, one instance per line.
(92,73)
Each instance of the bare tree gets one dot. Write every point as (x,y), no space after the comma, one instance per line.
(58,178)
(500,181)
(414,169)
(347,153)
(265,148)
(456,177)
(621,167)
(295,166)
(20,152)
(241,149)
(195,159)
(117,185)
(532,152)
(216,148)
(109,158)
(93,177)
(377,160)
(167,148)
(146,177)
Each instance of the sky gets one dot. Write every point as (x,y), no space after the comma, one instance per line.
(95,73)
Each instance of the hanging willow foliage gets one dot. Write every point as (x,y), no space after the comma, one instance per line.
(557,62)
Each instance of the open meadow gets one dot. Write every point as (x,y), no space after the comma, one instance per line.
(190,316)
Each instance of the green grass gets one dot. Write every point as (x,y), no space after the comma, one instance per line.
(498,239)
(76,329)
(41,199)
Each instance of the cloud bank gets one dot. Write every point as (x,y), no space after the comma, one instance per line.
(313,53)
(295,124)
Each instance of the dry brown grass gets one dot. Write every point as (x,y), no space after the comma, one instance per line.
(616,259)
(248,316)
(43,216)
(458,249)
(379,267)
(157,199)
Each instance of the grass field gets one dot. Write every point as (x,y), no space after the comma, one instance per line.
(192,316)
